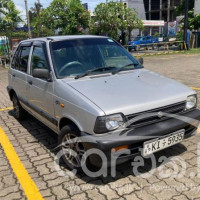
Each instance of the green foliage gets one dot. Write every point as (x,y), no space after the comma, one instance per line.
(193,20)
(180,10)
(10,16)
(114,16)
(66,16)
(38,22)
(34,12)
(156,34)
(179,36)
(16,35)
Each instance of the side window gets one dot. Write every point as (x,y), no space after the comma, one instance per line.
(38,59)
(20,59)
(23,59)
(15,58)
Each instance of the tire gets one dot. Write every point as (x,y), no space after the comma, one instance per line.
(68,133)
(18,111)
(137,48)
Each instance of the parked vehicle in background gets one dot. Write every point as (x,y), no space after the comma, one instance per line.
(139,42)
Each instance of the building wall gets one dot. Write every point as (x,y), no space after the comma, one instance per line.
(161,9)
(139,6)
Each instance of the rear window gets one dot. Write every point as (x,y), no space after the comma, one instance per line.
(20,59)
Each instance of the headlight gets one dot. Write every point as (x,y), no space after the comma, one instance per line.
(108,123)
(191,102)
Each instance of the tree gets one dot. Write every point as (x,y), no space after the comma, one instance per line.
(180,10)
(34,12)
(10,16)
(38,21)
(65,16)
(193,20)
(113,17)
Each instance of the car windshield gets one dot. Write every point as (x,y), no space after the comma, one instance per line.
(76,57)
(137,38)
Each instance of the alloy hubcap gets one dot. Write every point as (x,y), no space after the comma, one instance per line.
(73,149)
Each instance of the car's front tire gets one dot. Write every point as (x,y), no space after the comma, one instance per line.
(137,48)
(71,147)
(18,111)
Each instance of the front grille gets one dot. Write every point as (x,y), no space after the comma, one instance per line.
(171,109)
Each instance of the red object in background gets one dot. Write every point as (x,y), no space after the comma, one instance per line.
(14,43)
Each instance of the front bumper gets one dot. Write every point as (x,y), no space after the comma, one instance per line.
(135,138)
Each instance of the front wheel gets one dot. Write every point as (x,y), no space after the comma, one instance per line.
(18,111)
(71,147)
(137,48)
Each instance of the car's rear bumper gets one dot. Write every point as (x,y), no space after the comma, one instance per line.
(135,138)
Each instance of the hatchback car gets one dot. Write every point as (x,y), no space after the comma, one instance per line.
(92,91)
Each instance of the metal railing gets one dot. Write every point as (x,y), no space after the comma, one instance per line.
(157,48)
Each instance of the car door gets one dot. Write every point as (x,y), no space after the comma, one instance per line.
(40,91)
(148,40)
(18,72)
(142,41)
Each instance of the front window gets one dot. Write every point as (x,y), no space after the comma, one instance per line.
(76,57)
(137,38)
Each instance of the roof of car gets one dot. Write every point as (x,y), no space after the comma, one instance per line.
(64,37)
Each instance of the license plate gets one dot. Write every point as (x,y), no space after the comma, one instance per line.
(158,144)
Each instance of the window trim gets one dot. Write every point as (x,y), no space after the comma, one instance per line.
(17,54)
(42,45)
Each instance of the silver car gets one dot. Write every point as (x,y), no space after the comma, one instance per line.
(96,96)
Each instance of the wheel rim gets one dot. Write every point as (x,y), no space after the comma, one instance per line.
(73,149)
(16,107)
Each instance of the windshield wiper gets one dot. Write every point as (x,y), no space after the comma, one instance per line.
(94,70)
(124,67)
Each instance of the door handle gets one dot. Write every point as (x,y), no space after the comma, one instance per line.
(30,82)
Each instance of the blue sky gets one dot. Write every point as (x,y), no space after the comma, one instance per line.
(20,4)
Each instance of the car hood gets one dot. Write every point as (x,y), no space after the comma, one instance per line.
(131,91)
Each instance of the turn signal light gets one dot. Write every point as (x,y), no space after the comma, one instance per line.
(115,149)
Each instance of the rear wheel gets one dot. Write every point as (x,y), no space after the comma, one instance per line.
(18,111)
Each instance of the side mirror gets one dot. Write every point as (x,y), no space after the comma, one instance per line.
(141,61)
(42,73)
